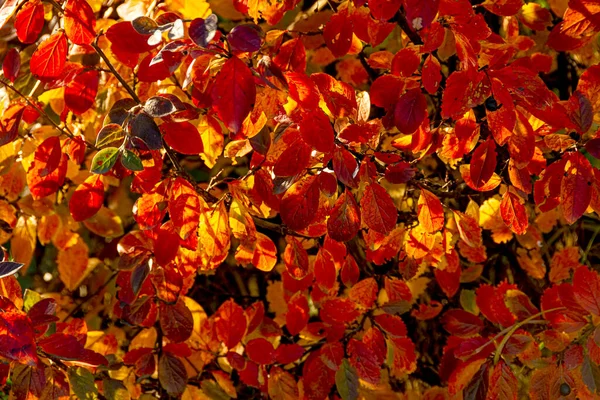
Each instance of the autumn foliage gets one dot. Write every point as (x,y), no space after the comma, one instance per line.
(343,199)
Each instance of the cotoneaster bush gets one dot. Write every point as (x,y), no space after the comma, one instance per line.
(299,200)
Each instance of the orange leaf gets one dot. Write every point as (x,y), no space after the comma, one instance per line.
(430,211)
(87,198)
(483,163)
(576,186)
(514,213)
(233,93)
(182,137)
(80,22)
(230,323)
(300,203)
(48,59)
(378,209)
(344,220)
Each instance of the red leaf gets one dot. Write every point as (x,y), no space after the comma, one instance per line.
(44,185)
(339,310)
(392,324)
(514,213)
(48,60)
(503,383)
(547,190)
(30,21)
(505,8)
(344,219)
(300,203)
(345,167)
(400,172)
(80,92)
(288,353)
(127,43)
(405,359)
(260,351)
(462,323)
(291,56)
(80,22)
(586,288)
(16,335)
(182,137)
(378,209)
(364,293)
(384,9)
(233,93)
(364,360)
(338,33)
(325,272)
(350,272)
(230,323)
(297,315)
(386,90)
(11,64)
(294,159)
(430,211)
(87,198)
(427,311)
(483,163)
(464,90)
(410,111)
(490,301)
(576,186)
(375,340)
(302,89)
(317,131)
(166,244)
(176,321)
(431,74)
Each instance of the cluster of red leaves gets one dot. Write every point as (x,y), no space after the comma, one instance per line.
(148,145)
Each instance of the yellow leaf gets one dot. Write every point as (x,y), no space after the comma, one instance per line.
(73,264)
(213,235)
(105,223)
(212,140)
(190,8)
(13,182)
(22,243)
(48,228)
(8,218)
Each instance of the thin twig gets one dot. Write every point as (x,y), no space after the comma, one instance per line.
(64,130)
(407,29)
(113,70)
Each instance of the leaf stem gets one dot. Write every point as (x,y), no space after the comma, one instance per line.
(589,245)
(511,330)
(64,130)
(113,70)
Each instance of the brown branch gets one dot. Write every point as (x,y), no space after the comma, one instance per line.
(64,130)
(113,70)
(407,29)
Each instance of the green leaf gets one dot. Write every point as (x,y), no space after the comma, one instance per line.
(131,161)
(346,380)
(478,387)
(115,390)
(30,297)
(172,374)
(111,134)
(590,374)
(82,383)
(593,160)
(467,301)
(104,160)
